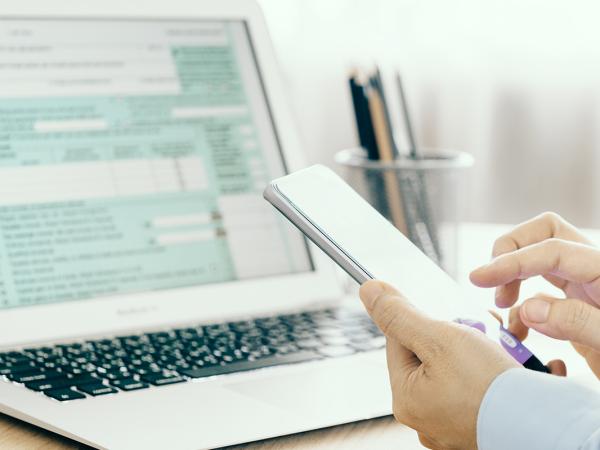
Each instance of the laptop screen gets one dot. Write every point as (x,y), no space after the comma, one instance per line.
(133,155)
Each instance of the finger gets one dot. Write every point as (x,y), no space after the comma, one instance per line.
(396,317)
(506,293)
(540,228)
(568,260)
(567,319)
(515,325)
(557,367)
(545,226)
(506,244)
(556,281)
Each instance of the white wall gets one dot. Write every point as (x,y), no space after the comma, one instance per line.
(515,83)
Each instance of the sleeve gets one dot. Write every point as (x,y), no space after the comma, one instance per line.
(527,410)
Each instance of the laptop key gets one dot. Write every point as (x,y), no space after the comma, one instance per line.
(129,384)
(309,343)
(79,371)
(23,359)
(96,388)
(161,379)
(27,377)
(335,351)
(64,394)
(116,375)
(240,366)
(11,369)
(85,378)
(46,385)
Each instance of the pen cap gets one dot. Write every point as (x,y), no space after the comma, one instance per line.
(473,324)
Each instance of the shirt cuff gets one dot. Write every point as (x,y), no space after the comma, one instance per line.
(523,409)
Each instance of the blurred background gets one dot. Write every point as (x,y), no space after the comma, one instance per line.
(514,83)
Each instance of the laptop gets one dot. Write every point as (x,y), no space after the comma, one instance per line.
(149,297)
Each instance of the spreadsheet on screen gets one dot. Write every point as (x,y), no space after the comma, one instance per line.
(133,154)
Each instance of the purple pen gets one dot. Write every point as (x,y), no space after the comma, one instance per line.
(521,353)
(510,343)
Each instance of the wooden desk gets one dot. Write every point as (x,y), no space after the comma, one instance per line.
(18,435)
(383,433)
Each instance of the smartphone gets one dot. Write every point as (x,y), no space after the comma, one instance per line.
(363,243)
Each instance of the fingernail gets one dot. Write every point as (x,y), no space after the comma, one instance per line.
(536,310)
(370,291)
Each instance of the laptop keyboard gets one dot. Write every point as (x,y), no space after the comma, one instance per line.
(126,363)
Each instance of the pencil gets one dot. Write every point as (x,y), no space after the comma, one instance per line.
(386,153)
(414,151)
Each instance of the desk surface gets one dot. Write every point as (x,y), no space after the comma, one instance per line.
(475,245)
(382,433)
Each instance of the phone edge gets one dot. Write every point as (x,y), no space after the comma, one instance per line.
(318,237)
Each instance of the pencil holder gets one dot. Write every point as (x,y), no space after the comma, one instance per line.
(421,197)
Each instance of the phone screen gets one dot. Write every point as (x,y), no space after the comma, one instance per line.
(357,231)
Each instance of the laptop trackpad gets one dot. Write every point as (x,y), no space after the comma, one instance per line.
(322,391)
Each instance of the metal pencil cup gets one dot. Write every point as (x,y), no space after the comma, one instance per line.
(422,197)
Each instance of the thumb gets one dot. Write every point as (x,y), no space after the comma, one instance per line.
(566,319)
(396,317)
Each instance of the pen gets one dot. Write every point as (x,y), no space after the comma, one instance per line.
(363,119)
(414,151)
(511,344)
(521,353)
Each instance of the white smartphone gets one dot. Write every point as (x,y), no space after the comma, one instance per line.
(363,243)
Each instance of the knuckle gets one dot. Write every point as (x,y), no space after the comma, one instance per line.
(554,220)
(551,217)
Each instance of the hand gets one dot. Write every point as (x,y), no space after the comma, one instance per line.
(439,371)
(565,319)
(548,246)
